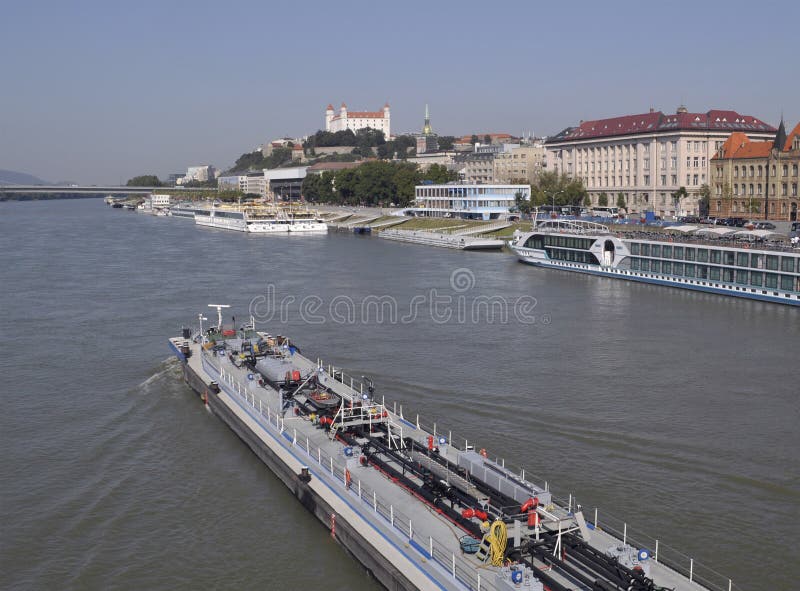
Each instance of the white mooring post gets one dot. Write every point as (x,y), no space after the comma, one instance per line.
(595,517)
(655,554)
(570,503)
(624,533)
(691,569)
(454,565)
(410,530)
(418,422)
(359,488)
(331,465)
(430,546)
(391,515)
(319,456)
(308,447)
(479,581)
(374,501)
(294,437)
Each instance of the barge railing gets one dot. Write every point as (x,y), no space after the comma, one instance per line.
(465,572)
(462,570)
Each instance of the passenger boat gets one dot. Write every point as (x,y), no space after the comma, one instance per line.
(259,219)
(305,221)
(754,270)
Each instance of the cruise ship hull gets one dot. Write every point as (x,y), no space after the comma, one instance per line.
(660,279)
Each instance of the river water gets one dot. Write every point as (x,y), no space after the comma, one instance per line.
(673,411)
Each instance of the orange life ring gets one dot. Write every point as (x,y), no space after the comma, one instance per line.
(746,245)
(483,453)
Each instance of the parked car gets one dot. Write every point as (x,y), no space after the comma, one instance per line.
(735,222)
(763,225)
(689,219)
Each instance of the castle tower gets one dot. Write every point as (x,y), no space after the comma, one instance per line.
(328,117)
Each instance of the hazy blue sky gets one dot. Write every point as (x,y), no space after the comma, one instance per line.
(97,92)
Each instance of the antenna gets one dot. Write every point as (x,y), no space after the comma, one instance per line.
(219,313)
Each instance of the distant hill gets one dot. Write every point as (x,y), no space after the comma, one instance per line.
(11,177)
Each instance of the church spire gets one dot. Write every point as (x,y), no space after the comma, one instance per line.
(780,137)
(427,129)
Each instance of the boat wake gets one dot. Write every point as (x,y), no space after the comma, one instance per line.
(167,365)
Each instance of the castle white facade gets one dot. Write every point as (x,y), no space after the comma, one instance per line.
(355,120)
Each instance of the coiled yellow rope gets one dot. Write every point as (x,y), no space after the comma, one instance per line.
(497,538)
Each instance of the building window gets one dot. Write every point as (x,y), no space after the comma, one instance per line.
(785,170)
(736,172)
(784,189)
(647,179)
(664,180)
(674,179)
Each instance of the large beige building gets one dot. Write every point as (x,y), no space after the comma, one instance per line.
(648,157)
(757,179)
(355,120)
(520,164)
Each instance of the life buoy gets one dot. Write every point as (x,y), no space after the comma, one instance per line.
(746,245)
(483,453)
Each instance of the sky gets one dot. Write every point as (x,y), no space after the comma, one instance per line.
(99,92)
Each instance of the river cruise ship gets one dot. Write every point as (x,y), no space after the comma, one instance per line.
(260,220)
(744,268)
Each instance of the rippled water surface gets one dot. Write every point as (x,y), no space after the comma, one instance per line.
(677,412)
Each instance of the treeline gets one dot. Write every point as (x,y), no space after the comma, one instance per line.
(366,142)
(257,161)
(550,188)
(145,180)
(376,183)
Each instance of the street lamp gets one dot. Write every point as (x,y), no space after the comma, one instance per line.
(554,202)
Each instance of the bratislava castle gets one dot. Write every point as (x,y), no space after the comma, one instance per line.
(355,120)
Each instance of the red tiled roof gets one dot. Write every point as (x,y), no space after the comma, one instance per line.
(790,138)
(366,114)
(714,120)
(495,136)
(738,145)
(329,107)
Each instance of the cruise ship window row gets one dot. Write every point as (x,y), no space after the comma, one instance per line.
(723,274)
(771,262)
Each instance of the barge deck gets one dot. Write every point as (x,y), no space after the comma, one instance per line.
(403,500)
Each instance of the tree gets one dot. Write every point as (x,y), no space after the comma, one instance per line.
(487,139)
(676,198)
(621,204)
(602,199)
(704,202)
(566,190)
(522,204)
(439,174)
(446,142)
(145,180)
(474,139)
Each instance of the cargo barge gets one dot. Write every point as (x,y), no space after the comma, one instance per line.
(415,509)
